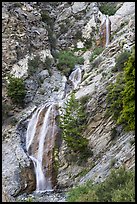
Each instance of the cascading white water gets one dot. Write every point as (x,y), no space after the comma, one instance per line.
(40,139)
(38,134)
(32,128)
(40,178)
(107,31)
(75,77)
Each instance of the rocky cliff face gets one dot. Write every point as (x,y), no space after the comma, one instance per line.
(31,29)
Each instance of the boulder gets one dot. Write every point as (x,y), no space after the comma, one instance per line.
(78,6)
(17,170)
(124,13)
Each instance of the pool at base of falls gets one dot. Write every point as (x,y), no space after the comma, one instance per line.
(44,191)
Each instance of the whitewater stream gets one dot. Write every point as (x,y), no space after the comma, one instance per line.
(107,31)
(42,131)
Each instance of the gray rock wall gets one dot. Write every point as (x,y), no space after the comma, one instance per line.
(24,35)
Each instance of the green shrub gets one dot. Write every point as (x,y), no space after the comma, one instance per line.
(17,4)
(121,96)
(46,17)
(27,199)
(95,53)
(104,74)
(119,186)
(126,194)
(80,193)
(114,97)
(33,65)
(16,90)
(84,99)
(48,62)
(108,8)
(36,64)
(84,49)
(67,61)
(120,61)
(112,163)
(63,28)
(72,123)
(114,133)
(83,172)
(117,181)
(78,35)
(127,115)
(132,141)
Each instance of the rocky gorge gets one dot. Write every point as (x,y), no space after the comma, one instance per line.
(33,34)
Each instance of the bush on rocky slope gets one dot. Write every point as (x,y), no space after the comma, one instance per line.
(36,64)
(114,97)
(67,61)
(16,90)
(96,52)
(33,65)
(127,115)
(108,8)
(120,60)
(118,187)
(121,96)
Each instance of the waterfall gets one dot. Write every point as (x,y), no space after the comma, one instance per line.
(75,77)
(31,129)
(40,141)
(107,31)
(41,136)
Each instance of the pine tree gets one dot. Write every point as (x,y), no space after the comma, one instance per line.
(121,96)
(127,115)
(72,123)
